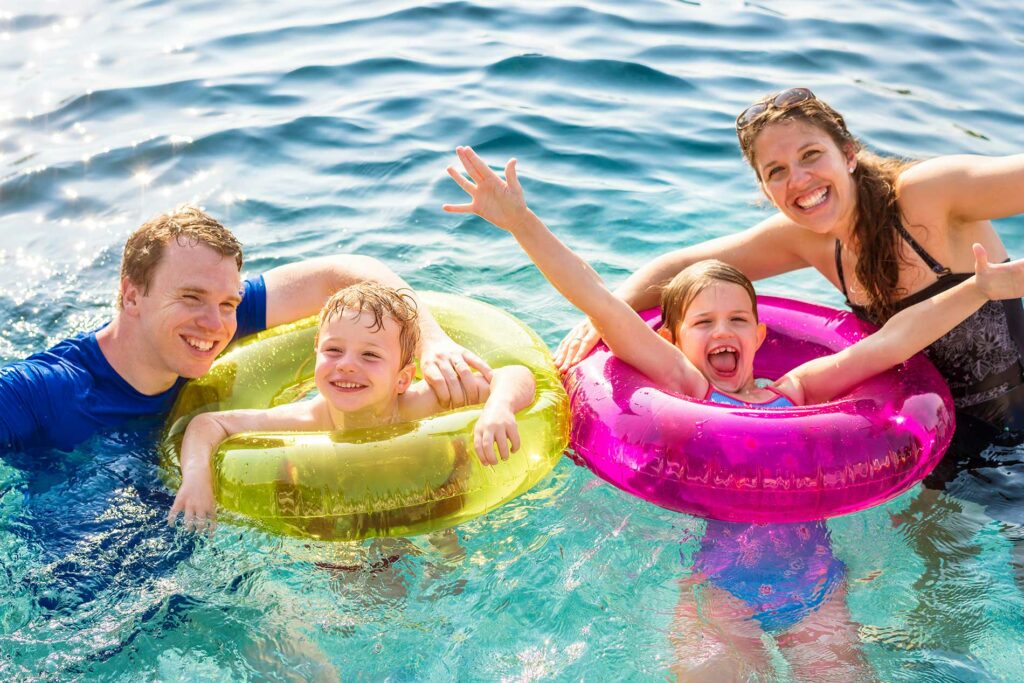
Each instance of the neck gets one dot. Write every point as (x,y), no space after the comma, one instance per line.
(122,346)
(373,416)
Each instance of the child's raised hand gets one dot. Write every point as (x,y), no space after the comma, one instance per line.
(499,201)
(496,425)
(998,281)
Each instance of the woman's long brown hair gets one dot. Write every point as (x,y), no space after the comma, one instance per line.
(875,239)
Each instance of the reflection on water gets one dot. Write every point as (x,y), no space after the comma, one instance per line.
(325,127)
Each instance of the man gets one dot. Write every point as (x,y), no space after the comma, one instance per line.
(180,302)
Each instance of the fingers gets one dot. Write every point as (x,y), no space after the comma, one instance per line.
(478,363)
(502,440)
(980,258)
(467,382)
(193,517)
(438,382)
(513,437)
(483,440)
(457,208)
(510,176)
(475,166)
(461,181)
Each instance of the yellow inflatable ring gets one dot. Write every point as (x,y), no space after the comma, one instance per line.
(396,480)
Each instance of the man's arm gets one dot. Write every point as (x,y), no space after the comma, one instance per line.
(300,289)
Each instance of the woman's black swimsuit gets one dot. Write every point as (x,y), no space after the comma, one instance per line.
(980,358)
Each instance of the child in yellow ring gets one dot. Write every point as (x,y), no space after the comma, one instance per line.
(365,348)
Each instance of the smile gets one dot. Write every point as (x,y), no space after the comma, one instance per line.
(348,385)
(199,344)
(812,199)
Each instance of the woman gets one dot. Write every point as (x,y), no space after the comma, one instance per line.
(887,233)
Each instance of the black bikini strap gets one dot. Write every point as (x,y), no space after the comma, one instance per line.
(936,267)
(839,268)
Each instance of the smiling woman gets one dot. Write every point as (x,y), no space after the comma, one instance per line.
(886,232)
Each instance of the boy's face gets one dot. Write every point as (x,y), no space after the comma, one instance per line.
(719,334)
(357,368)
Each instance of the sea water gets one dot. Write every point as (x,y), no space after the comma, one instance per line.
(316,128)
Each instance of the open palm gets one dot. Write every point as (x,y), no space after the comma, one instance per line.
(499,201)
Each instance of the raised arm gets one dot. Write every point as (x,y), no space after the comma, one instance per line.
(906,333)
(299,289)
(772,247)
(503,204)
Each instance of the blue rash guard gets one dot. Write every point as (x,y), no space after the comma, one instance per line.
(62,396)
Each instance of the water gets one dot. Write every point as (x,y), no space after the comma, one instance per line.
(315,128)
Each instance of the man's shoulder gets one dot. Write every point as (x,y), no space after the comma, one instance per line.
(70,360)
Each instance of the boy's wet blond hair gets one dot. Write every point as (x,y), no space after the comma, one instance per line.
(188,226)
(381,302)
(681,290)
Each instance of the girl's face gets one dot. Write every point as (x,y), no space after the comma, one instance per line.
(359,369)
(807,177)
(719,334)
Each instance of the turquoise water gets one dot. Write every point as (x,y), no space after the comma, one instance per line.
(315,128)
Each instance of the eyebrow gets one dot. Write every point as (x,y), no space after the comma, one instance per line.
(799,149)
(236,298)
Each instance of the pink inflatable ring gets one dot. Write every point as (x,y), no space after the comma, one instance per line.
(746,465)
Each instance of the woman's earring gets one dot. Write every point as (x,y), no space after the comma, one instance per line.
(852,168)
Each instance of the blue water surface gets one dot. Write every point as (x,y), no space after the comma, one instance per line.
(324,127)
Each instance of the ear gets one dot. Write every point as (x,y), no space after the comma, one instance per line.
(405,377)
(130,295)
(851,156)
(762,332)
(667,334)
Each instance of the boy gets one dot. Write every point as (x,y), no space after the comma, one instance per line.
(365,349)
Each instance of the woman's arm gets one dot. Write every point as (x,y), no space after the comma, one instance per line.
(624,331)
(967,188)
(906,333)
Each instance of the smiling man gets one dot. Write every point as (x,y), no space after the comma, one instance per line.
(181,301)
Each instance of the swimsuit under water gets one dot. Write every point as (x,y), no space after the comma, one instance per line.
(980,358)
(782,571)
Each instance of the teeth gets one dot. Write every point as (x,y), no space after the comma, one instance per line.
(199,344)
(812,200)
(347,385)
(723,349)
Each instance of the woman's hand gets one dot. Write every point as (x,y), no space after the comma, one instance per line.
(998,281)
(498,201)
(576,345)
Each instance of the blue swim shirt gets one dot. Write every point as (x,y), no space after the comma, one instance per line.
(60,397)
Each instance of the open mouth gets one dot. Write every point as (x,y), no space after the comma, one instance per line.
(724,360)
(201,346)
(812,199)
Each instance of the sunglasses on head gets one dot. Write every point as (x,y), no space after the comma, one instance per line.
(783,101)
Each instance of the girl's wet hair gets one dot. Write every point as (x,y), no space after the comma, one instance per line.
(381,302)
(681,290)
(875,238)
